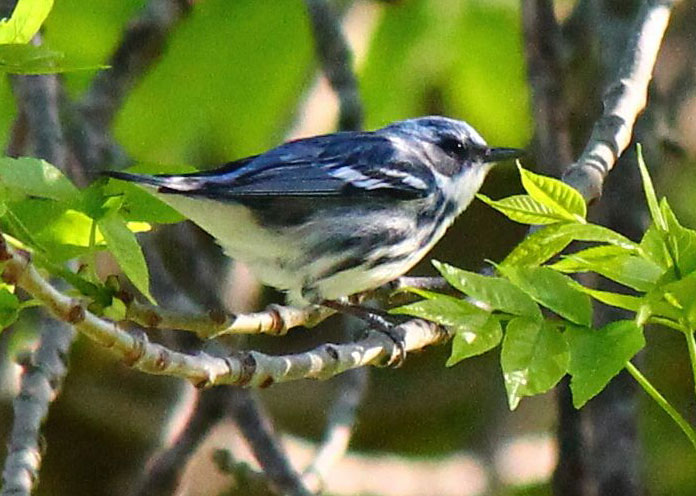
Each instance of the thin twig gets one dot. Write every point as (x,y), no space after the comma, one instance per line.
(351,390)
(141,46)
(276,320)
(542,47)
(44,369)
(247,480)
(250,368)
(336,61)
(43,373)
(164,475)
(545,74)
(267,449)
(624,99)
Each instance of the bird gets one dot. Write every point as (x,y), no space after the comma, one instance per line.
(326,217)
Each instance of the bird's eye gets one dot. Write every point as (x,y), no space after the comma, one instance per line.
(454,148)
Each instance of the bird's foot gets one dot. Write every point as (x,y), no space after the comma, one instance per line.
(378,320)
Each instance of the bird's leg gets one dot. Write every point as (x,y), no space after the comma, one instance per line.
(375,318)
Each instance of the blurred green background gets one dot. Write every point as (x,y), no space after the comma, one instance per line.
(233,82)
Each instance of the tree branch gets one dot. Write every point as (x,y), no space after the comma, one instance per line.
(624,99)
(142,44)
(350,393)
(249,368)
(45,368)
(268,451)
(164,475)
(336,61)
(276,320)
(542,46)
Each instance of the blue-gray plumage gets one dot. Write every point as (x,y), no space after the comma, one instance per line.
(329,216)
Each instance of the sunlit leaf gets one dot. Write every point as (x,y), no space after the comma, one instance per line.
(26,19)
(444,309)
(125,248)
(681,295)
(543,244)
(649,189)
(139,205)
(33,59)
(9,307)
(534,358)
(553,290)
(564,200)
(32,176)
(615,263)
(475,330)
(471,341)
(653,245)
(597,355)
(627,302)
(524,209)
(495,292)
(682,240)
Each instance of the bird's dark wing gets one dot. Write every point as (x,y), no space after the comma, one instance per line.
(335,165)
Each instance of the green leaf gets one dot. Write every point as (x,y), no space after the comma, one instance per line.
(627,302)
(543,244)
(9,307)
(475,330)
(140,205)
(596,356)
(649,189)
(471,341)
(26,19)
(443,309)
(35,177)
(523,209)
(615,263)
(681,239)
(116,311)
(553,290)
(681,295)
(565,200)
(32,59)
(125,248)
(653,246)
(495,292)
(534,358)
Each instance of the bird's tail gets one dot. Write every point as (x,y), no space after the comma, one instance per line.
(165,183)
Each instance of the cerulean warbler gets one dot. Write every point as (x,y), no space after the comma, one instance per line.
(330,216)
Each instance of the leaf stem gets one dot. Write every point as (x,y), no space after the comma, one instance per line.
(691,346)
(664,404)
(666,323)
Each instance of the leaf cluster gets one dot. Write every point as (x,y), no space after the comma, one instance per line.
(17,56)
(541,318)
(42,212)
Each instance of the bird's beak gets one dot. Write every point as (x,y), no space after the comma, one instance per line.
(501,154)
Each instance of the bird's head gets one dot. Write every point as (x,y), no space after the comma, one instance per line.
(450,145)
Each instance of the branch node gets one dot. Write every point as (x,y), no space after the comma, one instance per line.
(152,319)
(217,316)
(75,313)
(14,269)
(125,296)
(163,360)
(4,252)
(140,342)
(331,351)
(279,327)
(247,367)
(266,383)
